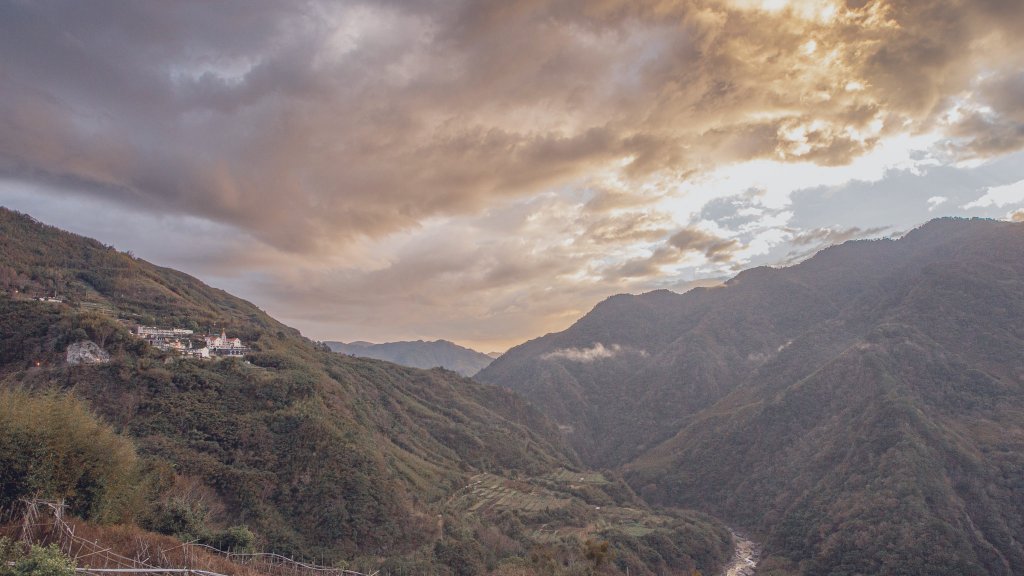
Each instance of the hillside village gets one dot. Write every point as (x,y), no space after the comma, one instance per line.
(180,340)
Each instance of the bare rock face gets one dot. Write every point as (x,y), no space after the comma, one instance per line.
(86,352)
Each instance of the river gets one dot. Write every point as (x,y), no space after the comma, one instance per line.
(744,559)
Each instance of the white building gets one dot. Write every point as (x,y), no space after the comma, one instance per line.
(203,352)
(179,340)
(224,346)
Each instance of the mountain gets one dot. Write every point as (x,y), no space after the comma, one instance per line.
(861,412)
(359,462)
(319,452)
(419,354)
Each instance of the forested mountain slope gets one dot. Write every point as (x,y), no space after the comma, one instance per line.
(323,454)
(356,462)
(863,410)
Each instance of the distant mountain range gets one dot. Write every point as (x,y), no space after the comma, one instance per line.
(861,412)
(419,354)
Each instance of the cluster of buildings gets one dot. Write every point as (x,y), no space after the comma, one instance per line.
(181,341)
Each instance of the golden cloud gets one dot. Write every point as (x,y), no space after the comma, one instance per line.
(314,128)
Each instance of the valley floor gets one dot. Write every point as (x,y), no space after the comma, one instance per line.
(744,558)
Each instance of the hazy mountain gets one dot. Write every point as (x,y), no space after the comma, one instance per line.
(322,455)
(863,411)
(419,354)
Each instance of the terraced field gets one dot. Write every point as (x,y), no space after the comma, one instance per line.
(550,510)
(486,494)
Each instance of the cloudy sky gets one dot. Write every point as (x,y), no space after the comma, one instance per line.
(487,171)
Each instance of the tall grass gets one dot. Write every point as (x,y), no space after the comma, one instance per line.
(53,447)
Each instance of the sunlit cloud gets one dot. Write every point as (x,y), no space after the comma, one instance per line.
(1000,196)
(487,171)
(936,201)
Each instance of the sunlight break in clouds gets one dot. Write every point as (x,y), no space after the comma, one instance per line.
(487,171)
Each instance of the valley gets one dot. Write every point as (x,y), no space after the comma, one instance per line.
(512,288)
(795,403)
(744,560)
(418,354)
(306,453)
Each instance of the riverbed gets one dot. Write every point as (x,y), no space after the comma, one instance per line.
(744,559)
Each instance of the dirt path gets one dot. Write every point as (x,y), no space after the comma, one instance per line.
(744,559)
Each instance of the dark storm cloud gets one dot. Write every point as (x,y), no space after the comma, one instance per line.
(997,126)
(311,124)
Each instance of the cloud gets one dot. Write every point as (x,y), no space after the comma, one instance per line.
(821,237)
(323,123)
(999,196)
(991,121)
(586,355)
(807,243)
(683,243)
(1016,216)
(693,240)
(362,166)
(936,201)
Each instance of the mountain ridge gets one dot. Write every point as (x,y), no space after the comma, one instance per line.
(745,399)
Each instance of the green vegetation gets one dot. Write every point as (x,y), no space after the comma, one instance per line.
(17,560)
(293,449)
(859,413)
(584,519)
(319,459)
(51,447)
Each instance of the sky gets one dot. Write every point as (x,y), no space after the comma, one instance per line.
(486,172)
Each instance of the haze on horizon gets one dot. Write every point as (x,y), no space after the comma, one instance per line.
(485,172)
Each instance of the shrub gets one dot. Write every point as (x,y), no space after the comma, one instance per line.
(52,447)
(40,561)
(238,539)
(179,519)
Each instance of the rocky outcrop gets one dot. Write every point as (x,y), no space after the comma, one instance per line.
(86,352)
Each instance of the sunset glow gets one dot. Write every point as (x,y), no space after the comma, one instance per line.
(485,172)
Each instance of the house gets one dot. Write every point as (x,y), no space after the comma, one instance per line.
(168,339)
(203,353)
(179,340)
(224,346)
